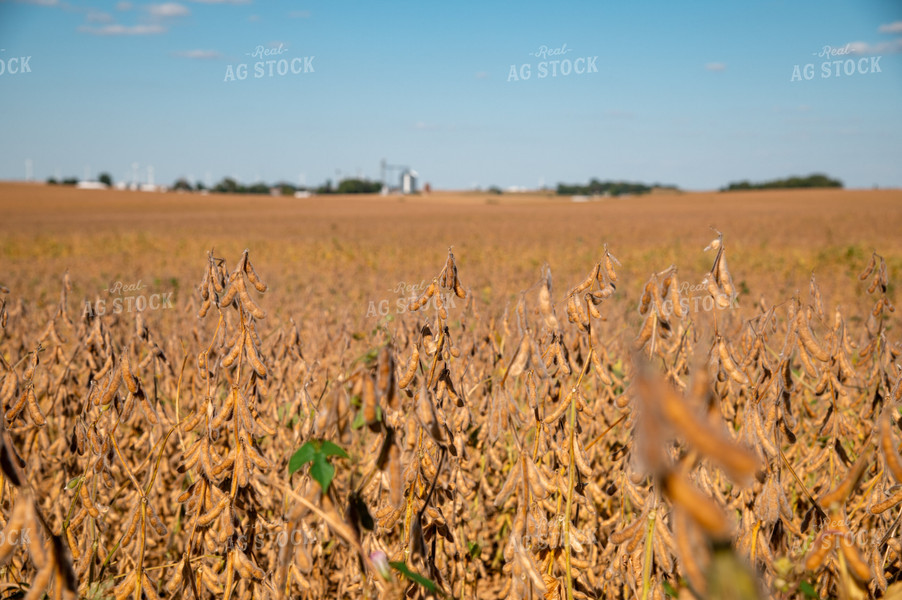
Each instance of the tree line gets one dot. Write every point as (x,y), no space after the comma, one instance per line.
(608,188)
(815,180)
(229,185)
(595,187)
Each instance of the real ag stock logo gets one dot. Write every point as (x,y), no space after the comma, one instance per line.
(847,67)
(128,298)
(270,67)
(407,295)
(13,65)
(553,65)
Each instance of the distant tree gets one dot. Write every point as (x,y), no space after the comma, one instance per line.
(181,184)
(227,186)
(358,186)
(612,188)
(494,190)
(52,181)
(286,189)
(325,188)
(815,180)
(70,181)
(105,179)
(199,186)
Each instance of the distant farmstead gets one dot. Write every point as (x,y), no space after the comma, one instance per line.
(407,179)
(409,182)
(90,185)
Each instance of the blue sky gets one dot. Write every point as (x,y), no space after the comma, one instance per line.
(696,94)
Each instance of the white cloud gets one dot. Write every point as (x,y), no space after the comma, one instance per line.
(894,27)
(223,1)
(716,66)
(99,17)
(299,14)
(198,54)
(124,6)
(124,30)
(864,48)
(168,9)
(482,75)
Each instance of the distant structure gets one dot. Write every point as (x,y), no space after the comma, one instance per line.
(409,182)
(407,178)
(149,186)
(90,185)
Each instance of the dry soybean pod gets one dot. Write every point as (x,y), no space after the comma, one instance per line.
(112,387)
(600,370)
(879,507)
(587,282)
(893,463)
(858,566)
(34,410)
(248,303)
(646,331)
(609,262)
(254,357)
(14,410)
(869,268)
(369,400)
(805,334)
(233,353)
(131,525)
(411,368)
(127,375)
(253,277)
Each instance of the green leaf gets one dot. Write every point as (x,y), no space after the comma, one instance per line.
(474,549)
(358,420)
(372,355)
(808,590)
(416,577)
(330,449)
(317,452)
(668,589)
(322,471)
(302,456)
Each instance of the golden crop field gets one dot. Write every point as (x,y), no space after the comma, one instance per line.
(455,395)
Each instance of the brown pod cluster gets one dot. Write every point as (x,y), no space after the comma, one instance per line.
(27,399)
(583,299)
(719,281)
